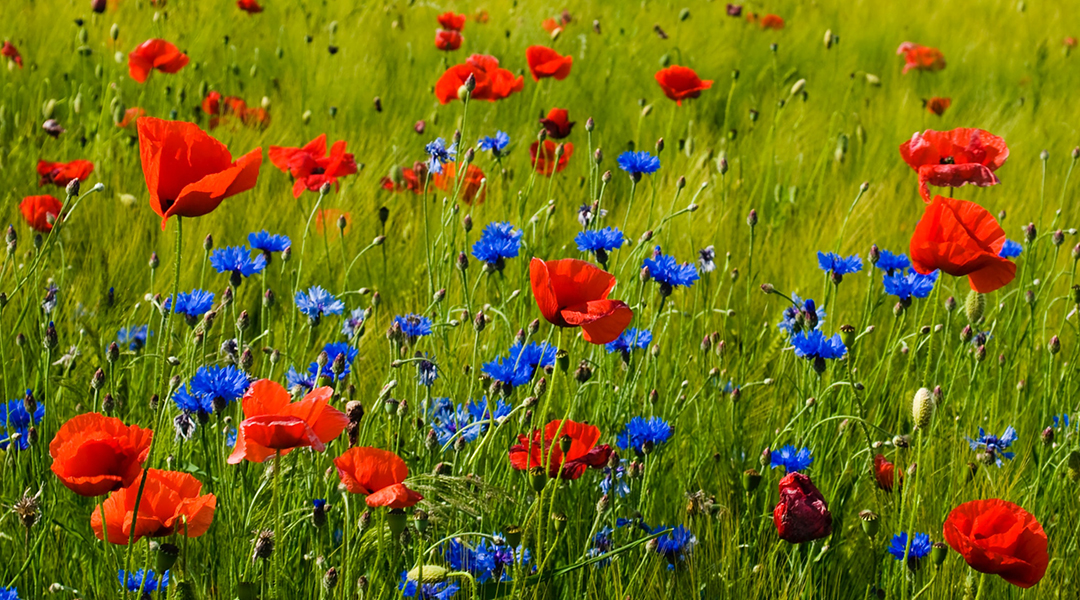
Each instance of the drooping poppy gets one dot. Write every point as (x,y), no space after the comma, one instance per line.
(545,62)
(378,474)
(311,166)
(557,123)
(937,105)
(999,538)
(451,21)
(954,158)
(448,39)
(131,115)
(802,515)
(61,174)
(172,503)
(10,52)
(885,473)
(680,83)
(40,212)
(923,58)
(545,159)
(401,180)
(189,173)
(472,190)
(574,293)
(273,423)
(543,449)
(249,6)
(94,454)
(492,82)
(961,238)
(155,54)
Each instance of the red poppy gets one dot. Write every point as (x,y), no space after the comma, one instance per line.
(481,16)
(40,212)
(11,53)
(999,538)
(680,83)
(326,222)
(188,172)
(451,21)
(557,123)
(61,174)
(937,105)
(771,22)
(447,39)
(544,159)
(543,449)
(550,25)
(131,115)
(954,158)
(961,238)
(171,504)
(407,181)
(311,166)
(155,54)
(574,293)
(923,58)
(378,474)
(249,6)
(545,62)
(1069,42)
(492,82)
(885,473)
(472,191)
(94,454)
(273,423)
(802,514)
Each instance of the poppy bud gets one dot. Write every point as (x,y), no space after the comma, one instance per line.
(654,397)
(166,557)
(974,306)
(870,523)
(798,87)
(606,177)
(1054,346)
(750,480)
(922,408)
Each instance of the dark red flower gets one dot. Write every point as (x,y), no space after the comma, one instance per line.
(61,174)
(802,514)
(680,83)
(492,83)
(189,173)
(311,166)
(543,449)
(155,54)
(545,62)
(402,180)
(40,212)
(574,293)
(937,105)
(999,538)
(249,6)
(885,473)
(545,158)
(451,21)
(961,238)
(472,190)
(954,158)
(378,474)
(11,53)
(557,123)
(170,503)
(734,10)
(273,423)
(94,454)
(447,39)
(923,58)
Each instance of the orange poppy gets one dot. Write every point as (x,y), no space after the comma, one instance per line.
(94,454)
(680,83)
(273,423)
(923,58)
(470,192)
(155,54)
(10,52)
(574,293)
(492,83)
(249,6)
(40,212)
(188,172)
(541,449)
(937,105)
(451,21)
(61,174)
(544,158)
(311,166)
(954,158)
(171,504)
(961,238)
(448,39)
(557,123)
(131,115)
(545,62)
(378,474)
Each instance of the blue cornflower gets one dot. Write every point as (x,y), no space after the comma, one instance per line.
(890,262)
(426,371)
(599,241)
(793,460)
(637,164)
(470,420)
(268,243)
(230,436)
(413,325)
(912,284)
(439,154)
(237,261)
(15,420)
(920,546)
(803,315)
(497,242)
(1063,419)
(488,561)
(296,379)
(352,324)
(668,273)
(429,591)
(212,389)
(319,503)
(496,144)
(1010,249)
(133,581)
(134,337)
(602,544)
(9,593)
(815,345)
(642,435)
(333,350)
(519,367)
(630,339)
(318,302)
(675,545)
(615,479)
(995,446)
(192,305)
(838,266)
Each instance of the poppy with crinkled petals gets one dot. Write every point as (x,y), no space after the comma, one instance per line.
(61,174)
(273,423)
(472,190)
(172,503)
(155,54)
(448,39)
(492,82)
(802,515)
(961,238)
(954,158)
(378,474)
(544,449)
(574,293)
(251,7)
(999,538)
(681,83)
(40,212)
(311,166)
(10,52)
(544,157)
(451,21)
(94,454)
(545,62)
(923,58)
(557,123)
(189,173)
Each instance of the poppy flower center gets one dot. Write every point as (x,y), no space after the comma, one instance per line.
(948,160)
(318,171)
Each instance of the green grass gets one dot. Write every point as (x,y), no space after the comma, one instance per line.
(1007,72)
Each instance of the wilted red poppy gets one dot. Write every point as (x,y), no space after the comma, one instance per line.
(155,54)
(401,180)
(545,62)
(40,212)
(557,123)
(546,160)
(961,238)
(311,166)
(923,58)
(771,22)
(472,190)
(999,538)
(378,474)
(492,83)
(954,158)
(273,423)
(543,449)
(61,174)
(937,105)
(94,454)
(171,504)
(249,6)
(802,514)
(885,473)
(188,172)
(11,53)
(574,293)
(326,222)
(447,39)
(680,83)
(451,21)
(131,115)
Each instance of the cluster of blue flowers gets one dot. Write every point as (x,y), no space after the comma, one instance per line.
(599,241)
(488,561)
(212,389)
(675,545)
(466,421)
(666,271)
(413,326)
(911,284)
(498,241)
(519,367)
(132,582)
(15,423)
(815,345)
(317,302)
(443,590)
(993,446)
(630,339)
(889,262)
(801,315)
(791,458)
(643,435)
(192,305)
(268,243)
(837,266)
(9,593)
(333,350)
